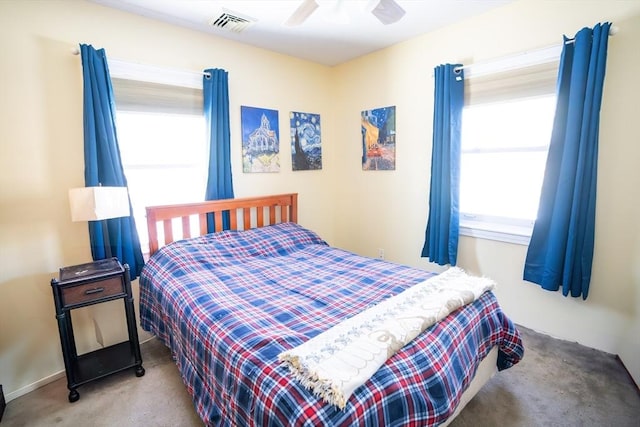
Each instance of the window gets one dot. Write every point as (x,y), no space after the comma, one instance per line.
(162,139)
(164,159)
(503,155)
(506,129)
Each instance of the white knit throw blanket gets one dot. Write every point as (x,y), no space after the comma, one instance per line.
(336,362)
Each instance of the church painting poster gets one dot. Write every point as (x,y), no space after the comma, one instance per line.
(378,131)
(260,139)
(306,148)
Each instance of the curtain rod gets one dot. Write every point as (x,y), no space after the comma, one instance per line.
(613,30)
(527,58)
(126,67)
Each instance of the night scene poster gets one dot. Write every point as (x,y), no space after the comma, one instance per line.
(379,138)
(260,140)
(306,148)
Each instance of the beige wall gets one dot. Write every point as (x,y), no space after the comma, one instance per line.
(41,157)
(610,318)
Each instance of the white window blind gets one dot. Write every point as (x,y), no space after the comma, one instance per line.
(135,95)
(524,75)
(525,82)
(152,89)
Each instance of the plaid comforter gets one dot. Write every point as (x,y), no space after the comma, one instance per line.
(227,304)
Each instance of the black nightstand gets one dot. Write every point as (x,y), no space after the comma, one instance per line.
(88,284)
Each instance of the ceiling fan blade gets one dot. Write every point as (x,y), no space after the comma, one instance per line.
(388,11)
(306,8)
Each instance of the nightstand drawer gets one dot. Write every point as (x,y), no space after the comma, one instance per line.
(92,291)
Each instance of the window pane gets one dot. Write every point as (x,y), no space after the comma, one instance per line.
(515,124)
(165,161)
(158,139)
(502,184)
(504,151)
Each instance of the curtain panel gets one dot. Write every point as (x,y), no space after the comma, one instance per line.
(443,224)
(216,110)
(562,242)
(103,165)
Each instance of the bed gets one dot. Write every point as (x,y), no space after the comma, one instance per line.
(228,303)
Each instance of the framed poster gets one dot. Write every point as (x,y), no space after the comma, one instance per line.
(306,148)
(260,140)
(379,138)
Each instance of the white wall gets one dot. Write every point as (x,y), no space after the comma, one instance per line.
(42,156)
(389,209)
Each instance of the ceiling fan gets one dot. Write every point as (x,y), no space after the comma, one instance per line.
(387,11)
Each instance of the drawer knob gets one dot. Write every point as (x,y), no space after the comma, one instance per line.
(93,291)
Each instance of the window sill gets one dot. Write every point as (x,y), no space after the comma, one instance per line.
(500,232)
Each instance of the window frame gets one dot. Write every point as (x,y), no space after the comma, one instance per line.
(504,229)
(180,83)
(509,230)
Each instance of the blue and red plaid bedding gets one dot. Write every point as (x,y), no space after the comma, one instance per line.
(227,304)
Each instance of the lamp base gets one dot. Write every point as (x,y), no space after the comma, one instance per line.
(106,239)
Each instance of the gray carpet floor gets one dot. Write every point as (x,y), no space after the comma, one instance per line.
(558,383)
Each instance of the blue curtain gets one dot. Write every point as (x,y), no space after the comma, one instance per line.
(561,248)
(441,236)
(216,110)
(102,164)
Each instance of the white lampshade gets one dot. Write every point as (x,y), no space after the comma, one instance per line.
(98,203)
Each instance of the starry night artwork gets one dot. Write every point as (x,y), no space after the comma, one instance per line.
(379,139)
(260,140)
(306,148)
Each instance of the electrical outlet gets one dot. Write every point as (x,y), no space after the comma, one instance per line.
(380,253)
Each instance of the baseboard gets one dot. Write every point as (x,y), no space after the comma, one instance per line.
(33,386)
(628,373)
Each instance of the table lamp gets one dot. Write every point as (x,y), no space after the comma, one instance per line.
(99,204)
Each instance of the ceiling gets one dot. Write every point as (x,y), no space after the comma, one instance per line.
(325,37)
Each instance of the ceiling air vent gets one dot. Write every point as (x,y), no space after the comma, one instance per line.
(232,21)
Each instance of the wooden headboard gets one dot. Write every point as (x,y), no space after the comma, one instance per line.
(245,213)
